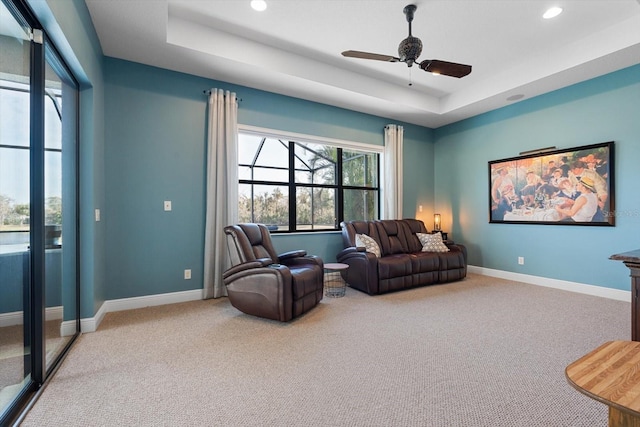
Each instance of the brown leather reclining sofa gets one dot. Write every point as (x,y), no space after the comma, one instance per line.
(402,264)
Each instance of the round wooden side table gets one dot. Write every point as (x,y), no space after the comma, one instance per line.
(334,284)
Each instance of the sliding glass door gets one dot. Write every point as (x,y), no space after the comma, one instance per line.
(15,195)
(60,201)
(39,309)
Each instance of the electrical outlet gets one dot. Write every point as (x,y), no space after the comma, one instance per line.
(187,274)
(97,215)
(420,208)
(167,205)
(521,260)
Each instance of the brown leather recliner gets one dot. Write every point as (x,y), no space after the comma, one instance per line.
(265,284)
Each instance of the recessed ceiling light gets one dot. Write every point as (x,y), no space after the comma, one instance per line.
(552,12)
(258,5)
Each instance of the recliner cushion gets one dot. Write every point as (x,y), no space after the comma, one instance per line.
(260,244)
(392,237)
(394,266)
(424,262)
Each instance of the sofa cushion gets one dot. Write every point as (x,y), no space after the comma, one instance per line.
(432,242)
(392,236)
(414,226)
(424,262)
(391,266)
(351,228)
(370,245)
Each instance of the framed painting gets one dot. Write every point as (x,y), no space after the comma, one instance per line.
(572,186)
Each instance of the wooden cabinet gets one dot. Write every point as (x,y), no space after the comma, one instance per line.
(632,261)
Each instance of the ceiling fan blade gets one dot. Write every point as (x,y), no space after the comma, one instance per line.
(445,68)
(367,55)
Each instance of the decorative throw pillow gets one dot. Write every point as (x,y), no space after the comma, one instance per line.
(432,242)
(369,244)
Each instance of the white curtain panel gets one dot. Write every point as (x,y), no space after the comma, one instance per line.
(222,187)
(392,191)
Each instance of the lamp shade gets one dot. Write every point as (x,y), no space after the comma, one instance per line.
(436,222)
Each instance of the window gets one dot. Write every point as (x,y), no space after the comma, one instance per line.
(14,157)
(294,184)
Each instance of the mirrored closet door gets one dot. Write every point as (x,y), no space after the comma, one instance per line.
(15,196)
(39,305)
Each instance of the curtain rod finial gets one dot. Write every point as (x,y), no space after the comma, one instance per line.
(208,92)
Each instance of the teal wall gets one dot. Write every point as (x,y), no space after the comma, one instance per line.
(603,109)
(69,25)
(13,268)
(143,141)
(155,122)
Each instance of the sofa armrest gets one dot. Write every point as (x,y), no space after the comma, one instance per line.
(362,273)
(242,267)
(308,260)
(457,247)
(354,254)
(262,291)
(291,254)
(349,250)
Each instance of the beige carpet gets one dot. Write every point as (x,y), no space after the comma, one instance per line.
(480,352)
(12,352)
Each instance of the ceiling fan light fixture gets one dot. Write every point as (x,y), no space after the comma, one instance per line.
(409,50)
(552,12)
(258,5)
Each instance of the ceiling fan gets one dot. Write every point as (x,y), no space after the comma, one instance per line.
(409,50)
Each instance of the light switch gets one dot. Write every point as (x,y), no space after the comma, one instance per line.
(97,215)
(167,205)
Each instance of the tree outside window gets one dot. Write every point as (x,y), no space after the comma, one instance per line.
(14,157)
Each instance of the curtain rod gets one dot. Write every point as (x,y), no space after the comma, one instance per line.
(208,92)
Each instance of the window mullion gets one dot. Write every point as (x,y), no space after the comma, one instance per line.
(292,188)
(340,189)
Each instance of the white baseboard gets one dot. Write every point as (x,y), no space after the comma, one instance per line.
(17,317)
(599,291)
(67,328)
(91,324)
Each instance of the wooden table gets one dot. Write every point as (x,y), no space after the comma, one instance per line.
(611,375)
(632,261)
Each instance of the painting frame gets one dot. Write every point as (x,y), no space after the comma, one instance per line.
(572,186)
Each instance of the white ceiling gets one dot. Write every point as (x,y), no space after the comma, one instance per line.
(293,48)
